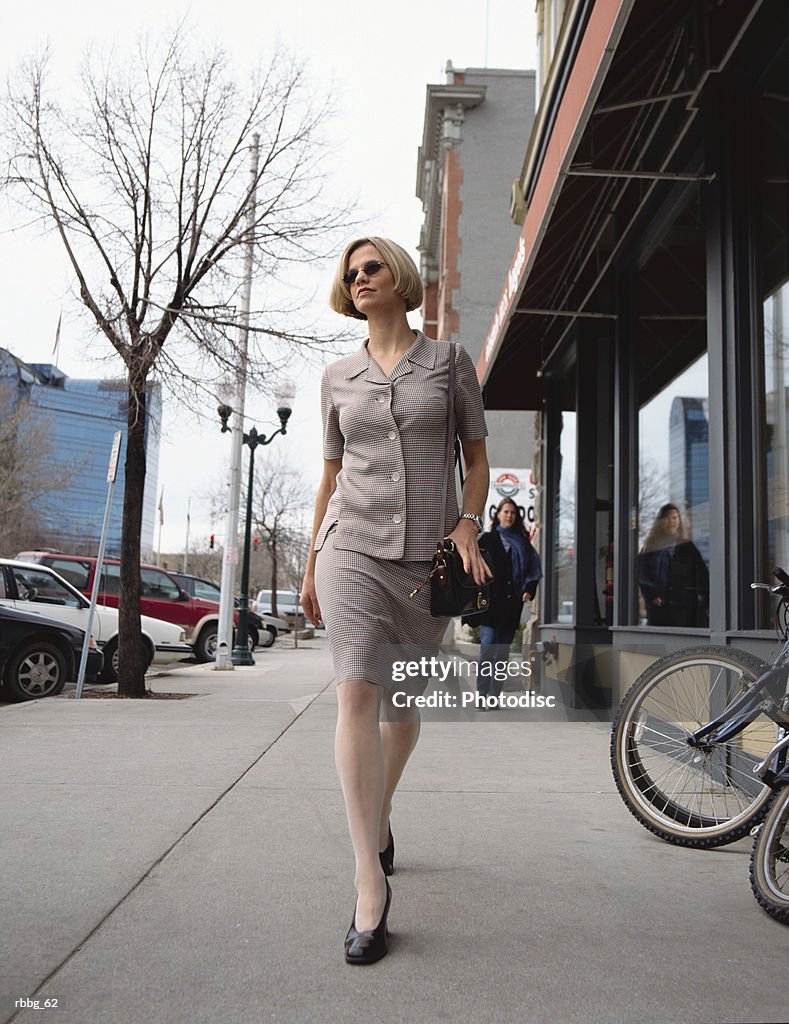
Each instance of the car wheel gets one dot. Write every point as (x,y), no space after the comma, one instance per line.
(267,636)
(37,670)
(109,674)
(205,647)
(253,639)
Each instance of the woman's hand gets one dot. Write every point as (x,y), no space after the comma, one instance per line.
(309,599)
(464,537)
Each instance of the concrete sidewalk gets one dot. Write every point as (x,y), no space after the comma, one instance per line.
(188,861)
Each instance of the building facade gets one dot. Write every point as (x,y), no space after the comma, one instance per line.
(78,420)
(471,150)
(644,315)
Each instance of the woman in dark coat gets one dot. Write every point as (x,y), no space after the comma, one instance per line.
(517,572)
(672,574)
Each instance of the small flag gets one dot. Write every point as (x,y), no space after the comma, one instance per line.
(161,508)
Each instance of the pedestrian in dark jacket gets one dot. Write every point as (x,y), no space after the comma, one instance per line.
(672,574)
(517,573)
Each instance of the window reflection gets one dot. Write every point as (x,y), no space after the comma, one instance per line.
(672,519)
(776,367)
(770,166)
(564,524)
(674,508)
(672,575)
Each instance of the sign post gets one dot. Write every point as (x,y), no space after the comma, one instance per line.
(112,472)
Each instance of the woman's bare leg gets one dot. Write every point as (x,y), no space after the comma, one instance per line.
(360,766)
(398,740)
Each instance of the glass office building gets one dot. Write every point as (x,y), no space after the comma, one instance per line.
(80,418)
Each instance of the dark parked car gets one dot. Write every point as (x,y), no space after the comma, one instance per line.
(39,655)
(262,630)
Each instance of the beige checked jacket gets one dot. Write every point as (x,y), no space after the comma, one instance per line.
(390,432)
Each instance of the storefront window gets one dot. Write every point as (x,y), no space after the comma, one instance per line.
(563,589)
(772,174)
(672,517)
(673,506)
(776,380)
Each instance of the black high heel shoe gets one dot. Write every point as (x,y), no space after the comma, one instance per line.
(387,856)
(368,947)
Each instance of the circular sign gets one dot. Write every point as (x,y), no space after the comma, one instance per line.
(507,485)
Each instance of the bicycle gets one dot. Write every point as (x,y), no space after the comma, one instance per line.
(769,870)
(689,732)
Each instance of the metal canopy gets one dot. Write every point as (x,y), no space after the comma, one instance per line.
(634,92)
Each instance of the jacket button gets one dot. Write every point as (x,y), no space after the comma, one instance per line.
(397,519)
(395,476)
(392,434)
(380,398)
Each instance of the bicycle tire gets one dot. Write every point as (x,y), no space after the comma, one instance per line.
(690,796)
(770,860)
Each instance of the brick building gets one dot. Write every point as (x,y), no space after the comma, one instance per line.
(472,150)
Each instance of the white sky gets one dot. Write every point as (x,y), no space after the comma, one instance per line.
(378,57)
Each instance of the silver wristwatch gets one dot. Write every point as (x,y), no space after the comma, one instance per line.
(475,519)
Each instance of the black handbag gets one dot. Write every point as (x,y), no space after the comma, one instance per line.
(453,591)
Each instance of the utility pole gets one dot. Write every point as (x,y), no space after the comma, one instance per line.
(188,527)
(230,553)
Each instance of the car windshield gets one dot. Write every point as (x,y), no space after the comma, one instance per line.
(205,590)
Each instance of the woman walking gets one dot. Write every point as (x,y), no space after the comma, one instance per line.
(378,517)
(517,572)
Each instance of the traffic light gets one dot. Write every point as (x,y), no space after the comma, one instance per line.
(256,541)
(211,542)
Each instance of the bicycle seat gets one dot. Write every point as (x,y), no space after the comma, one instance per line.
(783,580)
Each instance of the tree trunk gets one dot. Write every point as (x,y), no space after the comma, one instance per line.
(131,657)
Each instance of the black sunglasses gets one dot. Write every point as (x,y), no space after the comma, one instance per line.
(370,269)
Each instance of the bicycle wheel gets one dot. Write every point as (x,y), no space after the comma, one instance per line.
(770,860)
(692,796)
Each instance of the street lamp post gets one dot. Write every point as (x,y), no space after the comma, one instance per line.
(241,654)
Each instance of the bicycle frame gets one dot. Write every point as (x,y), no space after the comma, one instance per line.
(766,773)
(746,708)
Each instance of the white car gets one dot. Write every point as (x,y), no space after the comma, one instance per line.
(276,624)
(37,588)
(288,606)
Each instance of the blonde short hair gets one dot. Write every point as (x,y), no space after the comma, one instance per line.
(406,276)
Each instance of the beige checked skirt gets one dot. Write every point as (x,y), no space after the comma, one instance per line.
(369,616)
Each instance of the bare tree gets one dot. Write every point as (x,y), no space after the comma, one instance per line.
(280,497)
(145,180)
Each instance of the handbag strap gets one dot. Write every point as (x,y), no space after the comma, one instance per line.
(450,438)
